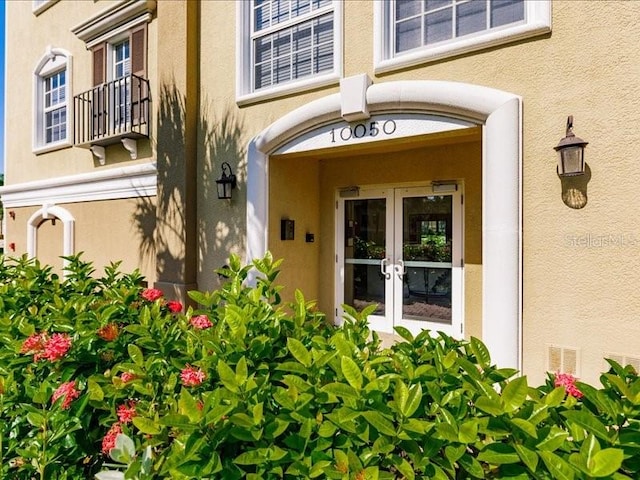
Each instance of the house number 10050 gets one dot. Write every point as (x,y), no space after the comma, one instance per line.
(359,130)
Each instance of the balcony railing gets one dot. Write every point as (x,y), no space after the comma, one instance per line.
(112,111)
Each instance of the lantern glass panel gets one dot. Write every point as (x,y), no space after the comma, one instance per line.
(224,189)
(571,160)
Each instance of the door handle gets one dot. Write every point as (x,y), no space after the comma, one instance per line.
(384,263)
(400,269)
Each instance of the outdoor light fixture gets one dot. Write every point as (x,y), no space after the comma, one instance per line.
(226,182)
(571,153)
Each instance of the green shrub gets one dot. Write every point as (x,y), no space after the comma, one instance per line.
(248,387)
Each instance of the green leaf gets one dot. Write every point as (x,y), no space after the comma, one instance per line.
(341,390)
(299,351)
(558,468)
(379,422)
(242,371)
(486,404)
(403,467)
(414,400)
(588,421)
(480,351)
(252,457)
(136,354)
(124,450)
(95,391)
(525,426)
(351,372)
(529,457)
(498,454)
(606,462)
(471,465)
(188,405)
(515,393)
(146,426)
(227,376)
(553,439)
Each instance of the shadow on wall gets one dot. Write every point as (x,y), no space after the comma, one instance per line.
(217,226)
(221,223)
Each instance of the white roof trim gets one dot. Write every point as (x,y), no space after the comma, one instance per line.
(112,17)
(115,183)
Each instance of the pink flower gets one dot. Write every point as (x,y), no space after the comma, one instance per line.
(152,294)
(109,440)
(68,391)
(192,376)
(109,332)
(35,343)
(201,322)
(127,411)
(56,347)
(174,306)
(127,377)
(567,381)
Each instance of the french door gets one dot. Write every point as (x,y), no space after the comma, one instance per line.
(401,250)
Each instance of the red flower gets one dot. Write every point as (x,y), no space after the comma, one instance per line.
(192,376)
(109,440)
(127,377)
(35,343)
(127,411)
(567,381)
(68,391)
(152,294)
(56,347)
(174,306)
(109,332)
(201,322)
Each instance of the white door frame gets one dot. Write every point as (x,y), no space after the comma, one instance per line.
(393,265)
(500,114)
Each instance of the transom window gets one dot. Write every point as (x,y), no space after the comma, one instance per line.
(55,107)
(287,44)
(409,32)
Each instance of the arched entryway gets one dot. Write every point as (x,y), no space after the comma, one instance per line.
(51,212)
(497,113)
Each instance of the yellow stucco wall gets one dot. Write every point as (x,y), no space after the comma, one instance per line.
(576,295)
(52,27)
(123,222)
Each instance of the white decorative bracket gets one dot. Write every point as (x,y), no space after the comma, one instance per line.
(353,97)
(100,153)
(131,146)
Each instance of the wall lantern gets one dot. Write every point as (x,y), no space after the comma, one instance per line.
(571,153)
(226,183)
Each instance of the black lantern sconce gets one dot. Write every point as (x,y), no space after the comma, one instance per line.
(226,183)
(571,153)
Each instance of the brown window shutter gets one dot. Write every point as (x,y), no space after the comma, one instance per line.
(138,51)
(99,64)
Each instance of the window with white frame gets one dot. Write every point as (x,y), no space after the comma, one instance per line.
(55,107)
(413,31)
(52,103)
(287,44)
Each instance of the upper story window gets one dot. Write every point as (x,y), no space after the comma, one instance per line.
(52,109)
(287,45)
(414,31)
(55,107)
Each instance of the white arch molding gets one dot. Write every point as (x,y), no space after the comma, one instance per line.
(500,115)
(45,213)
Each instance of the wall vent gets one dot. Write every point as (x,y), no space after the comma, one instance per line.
(623,360)
(563,359)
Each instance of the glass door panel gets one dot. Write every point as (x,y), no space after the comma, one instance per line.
(365,246)
(428,259)
(426,253)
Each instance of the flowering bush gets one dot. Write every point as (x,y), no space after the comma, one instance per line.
(103,377)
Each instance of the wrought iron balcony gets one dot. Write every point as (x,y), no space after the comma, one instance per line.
(112,111)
